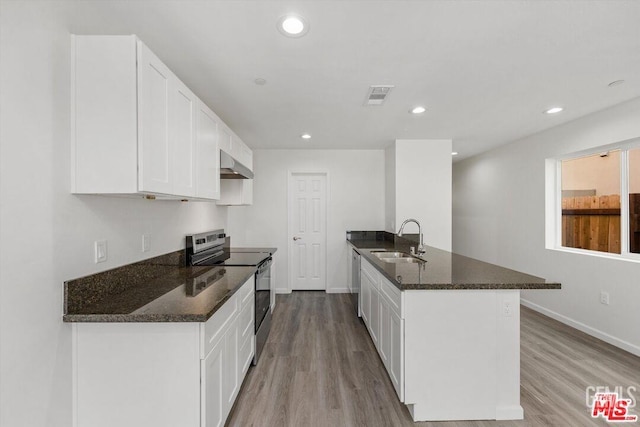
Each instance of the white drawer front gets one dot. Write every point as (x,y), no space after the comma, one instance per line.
(392,294)
(247,291)
(371,271)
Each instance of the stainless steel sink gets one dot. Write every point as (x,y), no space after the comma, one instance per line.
(385,254)
(396,257)
(410,260)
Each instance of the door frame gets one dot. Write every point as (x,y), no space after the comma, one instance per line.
(290,174)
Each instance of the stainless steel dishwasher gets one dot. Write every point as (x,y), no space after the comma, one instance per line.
(355,280)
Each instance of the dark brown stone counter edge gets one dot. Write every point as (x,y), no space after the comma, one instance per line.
(165,272)
(385,240)
(141,318)
(159,317)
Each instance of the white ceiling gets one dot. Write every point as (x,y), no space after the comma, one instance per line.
(485,69)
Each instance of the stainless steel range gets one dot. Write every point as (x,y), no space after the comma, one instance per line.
(209,249)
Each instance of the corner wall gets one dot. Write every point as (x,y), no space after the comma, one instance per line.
(422,188)
(499,214)
(355,202)
(48,233)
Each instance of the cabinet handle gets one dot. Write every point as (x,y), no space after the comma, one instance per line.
(296,238)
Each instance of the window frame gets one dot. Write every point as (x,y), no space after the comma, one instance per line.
(553,200)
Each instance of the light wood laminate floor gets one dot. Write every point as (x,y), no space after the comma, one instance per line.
(320,368)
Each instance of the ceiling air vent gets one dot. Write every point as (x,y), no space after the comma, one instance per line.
(377,94)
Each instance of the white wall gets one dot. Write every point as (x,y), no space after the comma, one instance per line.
(499,212)
(356,202)
(423,188)
(390,189)
(46,233)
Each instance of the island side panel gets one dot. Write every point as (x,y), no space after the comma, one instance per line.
(451,354)
(135,374)
(508,368)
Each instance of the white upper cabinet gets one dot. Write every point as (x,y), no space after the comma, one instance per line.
(236,192)
(155,148)
(136,128)
(182,134)
(207,154)
(225,140)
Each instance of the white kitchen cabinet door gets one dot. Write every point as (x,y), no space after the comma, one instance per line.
(247,156)
(395,366)
(365,290)
(384,338)
(207,154)
(241,152)
(182,139)
(246,326)
(374,327)
(233,366)
(213,401)
(154,148)
(225,139)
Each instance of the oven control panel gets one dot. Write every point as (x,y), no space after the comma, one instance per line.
(200,242)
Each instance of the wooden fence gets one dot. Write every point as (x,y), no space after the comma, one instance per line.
(591,222)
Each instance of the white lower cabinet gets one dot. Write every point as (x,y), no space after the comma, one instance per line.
(212,387)
(384,338)
(163,374)
(395,365)
(381,312)
(365,290)
(374,317)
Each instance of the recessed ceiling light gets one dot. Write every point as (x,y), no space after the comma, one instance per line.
(305,136)
(454,153)
(293,25)
(616,83)
(260,81)
(418,110)
(553,110)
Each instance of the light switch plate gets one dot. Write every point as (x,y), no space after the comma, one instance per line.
(100,247)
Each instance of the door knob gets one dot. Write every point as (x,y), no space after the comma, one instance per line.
(297,238)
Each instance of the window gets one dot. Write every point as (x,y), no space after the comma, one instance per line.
(634,201)
(593,200)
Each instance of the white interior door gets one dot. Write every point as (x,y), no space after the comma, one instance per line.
(308,231)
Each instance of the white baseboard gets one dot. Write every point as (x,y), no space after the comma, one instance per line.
(338,290)
(627,346)
(283,291)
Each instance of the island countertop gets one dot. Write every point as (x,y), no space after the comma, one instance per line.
(442,270)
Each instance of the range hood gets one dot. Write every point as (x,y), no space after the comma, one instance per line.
(230,168)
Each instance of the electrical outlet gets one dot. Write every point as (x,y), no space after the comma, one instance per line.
(604,298)
(507,309)
(146,243)
(100,251)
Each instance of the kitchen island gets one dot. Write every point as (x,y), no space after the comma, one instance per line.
(447,328)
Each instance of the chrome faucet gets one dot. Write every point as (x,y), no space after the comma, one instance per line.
(421,249)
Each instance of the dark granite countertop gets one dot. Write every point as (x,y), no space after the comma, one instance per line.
(442,270)
(159,289)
